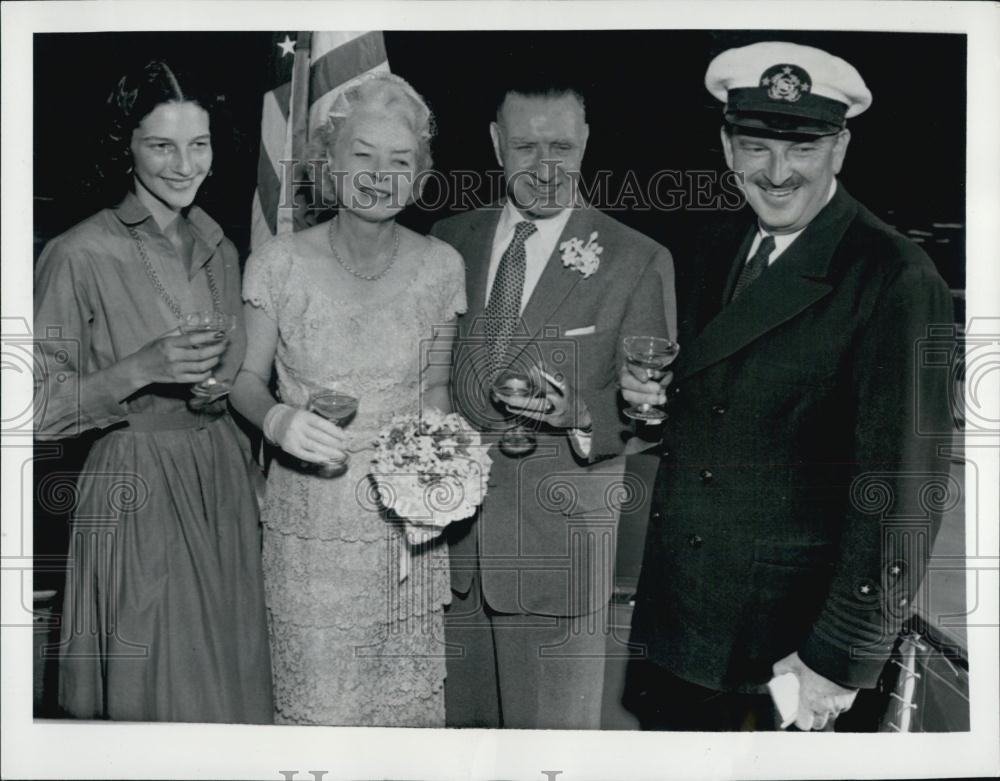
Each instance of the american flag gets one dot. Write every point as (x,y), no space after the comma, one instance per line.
(309,69)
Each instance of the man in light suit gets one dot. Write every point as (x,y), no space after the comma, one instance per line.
(532,572)
(791,516)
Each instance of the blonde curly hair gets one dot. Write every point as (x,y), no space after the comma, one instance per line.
(385,91)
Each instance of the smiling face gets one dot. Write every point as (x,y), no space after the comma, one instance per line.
(171,156)
(786,181)
(374,164)
(540,142)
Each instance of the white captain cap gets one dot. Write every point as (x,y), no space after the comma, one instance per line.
(785,88)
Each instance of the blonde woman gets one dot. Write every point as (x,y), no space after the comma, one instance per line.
(351,305)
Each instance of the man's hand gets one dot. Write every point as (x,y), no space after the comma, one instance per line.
(643,386)
(560,407)
(820,699)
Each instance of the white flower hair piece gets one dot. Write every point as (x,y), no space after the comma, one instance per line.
(584,258)
(344,103)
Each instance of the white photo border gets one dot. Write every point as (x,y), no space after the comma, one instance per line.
(50,749)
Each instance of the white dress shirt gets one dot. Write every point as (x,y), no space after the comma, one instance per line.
(781,240)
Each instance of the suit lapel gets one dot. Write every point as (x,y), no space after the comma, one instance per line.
(554,286)
(476,251)
(797,280)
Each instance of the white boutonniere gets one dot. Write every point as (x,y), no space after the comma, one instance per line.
(585,258)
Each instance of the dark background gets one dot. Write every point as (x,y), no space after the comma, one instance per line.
(647,108)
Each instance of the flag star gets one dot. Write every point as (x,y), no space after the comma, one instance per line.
(287,46)
(865,589)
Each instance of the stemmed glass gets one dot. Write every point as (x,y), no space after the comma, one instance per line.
(518,440)
(654,354)
(337,407)
(209,321)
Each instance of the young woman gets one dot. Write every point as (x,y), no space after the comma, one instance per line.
(164,608)
(351,305)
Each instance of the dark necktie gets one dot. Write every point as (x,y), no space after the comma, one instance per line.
(504,309)
(754,267)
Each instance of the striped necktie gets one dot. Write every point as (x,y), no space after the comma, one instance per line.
(504,309)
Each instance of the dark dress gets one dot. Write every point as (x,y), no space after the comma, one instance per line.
(164,605)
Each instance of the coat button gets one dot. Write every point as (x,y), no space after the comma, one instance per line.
(718,409)
(695,541)
(706,475)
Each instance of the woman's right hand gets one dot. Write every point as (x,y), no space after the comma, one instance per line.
(306,435)
(180,358)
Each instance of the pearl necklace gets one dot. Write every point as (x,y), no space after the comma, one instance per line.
(355,272)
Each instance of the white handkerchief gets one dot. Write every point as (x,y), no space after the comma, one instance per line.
(580,331)
(785,693)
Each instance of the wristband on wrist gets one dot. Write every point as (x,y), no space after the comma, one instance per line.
(275,423)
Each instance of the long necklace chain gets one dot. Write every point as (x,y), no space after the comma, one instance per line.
(355,272)
(155,279)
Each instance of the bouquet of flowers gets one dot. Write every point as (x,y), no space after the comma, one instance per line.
(430,469)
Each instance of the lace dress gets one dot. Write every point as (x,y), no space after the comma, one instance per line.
(351,645)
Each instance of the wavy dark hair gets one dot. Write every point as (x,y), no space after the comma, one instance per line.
(134,97)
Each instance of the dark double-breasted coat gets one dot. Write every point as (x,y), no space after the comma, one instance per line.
(800,485)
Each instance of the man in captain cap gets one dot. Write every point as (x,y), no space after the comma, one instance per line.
(790,523)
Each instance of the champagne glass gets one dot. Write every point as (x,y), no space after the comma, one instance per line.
(337,407)
(517,440)
(654,354)
(215,322)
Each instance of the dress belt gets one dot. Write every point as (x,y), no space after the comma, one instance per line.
(171,421)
